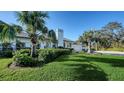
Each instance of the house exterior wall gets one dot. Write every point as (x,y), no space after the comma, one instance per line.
(42,45)
(23,37)
(68,44)
(26,41)
(77,48)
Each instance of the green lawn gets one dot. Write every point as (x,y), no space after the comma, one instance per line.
(76,66)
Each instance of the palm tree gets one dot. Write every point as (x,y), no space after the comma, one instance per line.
(8,32)
(52,37)
(96,37)
(48,37)
(34,22)
(44,37)
(87,37)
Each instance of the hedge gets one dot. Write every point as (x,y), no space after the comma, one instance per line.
(6,53)
(23,58)
(48,55)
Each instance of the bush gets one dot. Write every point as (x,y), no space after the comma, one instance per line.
(48,55)
(6,53)
(24,60)
(25,51)
(60,47)
(22,51)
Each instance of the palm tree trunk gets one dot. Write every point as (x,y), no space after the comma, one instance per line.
(96,46)
(89,47)
(33,50)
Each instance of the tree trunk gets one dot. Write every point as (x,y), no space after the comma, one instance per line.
(89,47)
(96,46)
(33,50)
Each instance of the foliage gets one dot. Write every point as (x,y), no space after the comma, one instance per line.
(49,36)
(6,53)
(34,22)
(8,32)
(6,46)
(19,44)
(52,36)
(23,60)
(48,55)
(114,49)
(74,67)
(22,51)
(111,35)
(43,56)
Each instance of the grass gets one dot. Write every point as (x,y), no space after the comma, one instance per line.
(74,67)
(114,49)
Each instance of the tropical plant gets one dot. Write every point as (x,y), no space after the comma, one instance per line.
(87,37)
(52,37)
(48,37)
(19,44)
(96,38)
(111,35)
(8,32)
(34,21)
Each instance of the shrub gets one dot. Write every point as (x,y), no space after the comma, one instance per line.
(25,51)
(47,55)
(6,53)
(60,47)
(24,60)
(22,51)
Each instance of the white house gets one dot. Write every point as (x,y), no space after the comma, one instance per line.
(25,40)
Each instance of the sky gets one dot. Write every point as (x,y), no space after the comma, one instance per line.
(74,23)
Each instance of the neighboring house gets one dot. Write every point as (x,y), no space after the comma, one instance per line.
(68,43)
(24,39)
(77,47)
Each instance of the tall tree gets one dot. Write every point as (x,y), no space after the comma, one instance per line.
(113,29)
(34,21)
(87,37)
(96,37)
(52,37)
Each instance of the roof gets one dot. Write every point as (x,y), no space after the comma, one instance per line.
(65,39)
(22,34)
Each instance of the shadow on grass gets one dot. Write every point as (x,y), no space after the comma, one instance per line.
(87,72)
(72,58)
(83,71)
(113,61)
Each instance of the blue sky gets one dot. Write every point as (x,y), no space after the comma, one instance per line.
(74,23)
